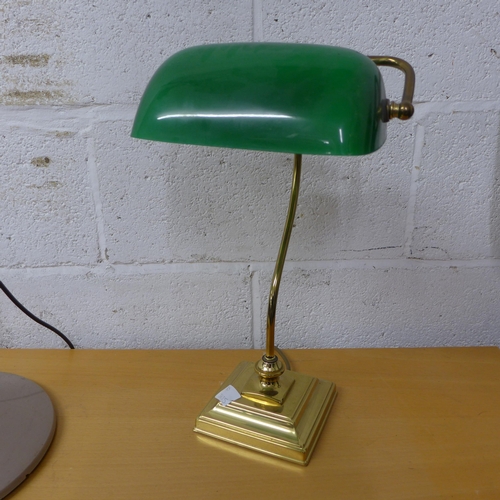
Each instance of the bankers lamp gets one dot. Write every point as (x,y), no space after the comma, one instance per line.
(288,98)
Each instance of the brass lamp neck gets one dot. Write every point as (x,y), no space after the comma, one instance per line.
(280,262)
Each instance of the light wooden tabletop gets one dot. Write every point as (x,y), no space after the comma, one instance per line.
(407,424)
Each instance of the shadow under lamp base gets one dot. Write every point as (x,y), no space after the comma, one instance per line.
(286,426)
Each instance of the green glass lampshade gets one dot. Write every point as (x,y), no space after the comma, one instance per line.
(290,98)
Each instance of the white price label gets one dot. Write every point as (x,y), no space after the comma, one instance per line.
(227,395)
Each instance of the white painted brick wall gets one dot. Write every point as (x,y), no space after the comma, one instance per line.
(132,244)
(381,305)
(130,308)
(456,211)
(48,217)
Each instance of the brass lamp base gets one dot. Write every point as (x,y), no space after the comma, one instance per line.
(262,406)
(287,426)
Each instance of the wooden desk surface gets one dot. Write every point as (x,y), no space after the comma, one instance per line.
(407,424)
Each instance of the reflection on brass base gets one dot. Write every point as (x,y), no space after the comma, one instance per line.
(289,430)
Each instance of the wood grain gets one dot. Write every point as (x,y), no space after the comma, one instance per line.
(407,424)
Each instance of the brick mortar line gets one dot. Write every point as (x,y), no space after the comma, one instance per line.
(412,199)
(119,270)
(257,25)
(257,335)
(96,198)
(125,111)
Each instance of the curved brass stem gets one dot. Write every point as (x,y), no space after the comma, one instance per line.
(280,261)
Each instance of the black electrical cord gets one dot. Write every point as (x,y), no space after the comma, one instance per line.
(34,318)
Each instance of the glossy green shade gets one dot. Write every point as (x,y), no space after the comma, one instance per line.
(290,98)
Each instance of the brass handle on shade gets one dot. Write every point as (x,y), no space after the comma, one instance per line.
(404,109)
